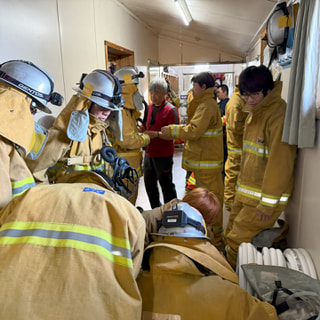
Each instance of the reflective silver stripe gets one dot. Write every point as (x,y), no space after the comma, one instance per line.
(203,165)
(115,249)
(175,130)
(259,150)
(269,200)
(249,192)
(212,132)
(284,199)
(258,195)
(235,150)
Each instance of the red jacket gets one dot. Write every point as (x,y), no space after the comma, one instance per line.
(162,116)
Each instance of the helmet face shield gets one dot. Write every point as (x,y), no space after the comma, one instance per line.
(102,88)
(32,80)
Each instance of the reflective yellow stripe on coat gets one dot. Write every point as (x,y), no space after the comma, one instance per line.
(212,133)
(257,149)
(234,150)
(203,164)
(19,187)
(116,250)
(208,134)
(267,200)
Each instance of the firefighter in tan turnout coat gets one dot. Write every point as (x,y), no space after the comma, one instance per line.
(24,89)
(79,131)
(235,120)
(265,180)
(71,250)
(185,277)
(132,143)
(203,150)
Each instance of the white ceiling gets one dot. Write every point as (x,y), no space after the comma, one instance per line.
(230,26)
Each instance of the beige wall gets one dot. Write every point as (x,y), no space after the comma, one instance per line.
(302,213)
(29,30)
(66,37)
(254,53)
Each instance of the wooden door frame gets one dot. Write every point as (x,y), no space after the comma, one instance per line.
(118,54)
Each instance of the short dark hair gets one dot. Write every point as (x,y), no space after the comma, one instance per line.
(224,88)
(206,78)
(255,79)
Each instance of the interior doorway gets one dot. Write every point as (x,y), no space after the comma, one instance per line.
(118,55)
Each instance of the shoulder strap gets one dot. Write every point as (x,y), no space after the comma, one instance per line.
(199,257)
(146,111)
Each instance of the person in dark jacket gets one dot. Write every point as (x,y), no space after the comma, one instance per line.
(222,95)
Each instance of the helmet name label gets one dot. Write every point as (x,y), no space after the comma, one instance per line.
(31,91)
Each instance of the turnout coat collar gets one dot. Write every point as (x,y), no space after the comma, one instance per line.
(205,95)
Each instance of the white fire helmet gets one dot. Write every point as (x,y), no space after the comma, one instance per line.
(102,88)
(31,79)
(183,221)
(128,75)
(277,36)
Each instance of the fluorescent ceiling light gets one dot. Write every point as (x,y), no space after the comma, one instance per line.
(184,11)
